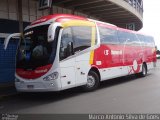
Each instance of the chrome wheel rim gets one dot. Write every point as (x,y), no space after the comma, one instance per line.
(144,70)
(90,81)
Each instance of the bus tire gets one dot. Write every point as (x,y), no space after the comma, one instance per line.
(93,82)
(144,70)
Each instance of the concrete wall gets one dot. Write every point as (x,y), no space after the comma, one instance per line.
(8,10)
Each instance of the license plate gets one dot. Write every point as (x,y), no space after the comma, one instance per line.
(30,86)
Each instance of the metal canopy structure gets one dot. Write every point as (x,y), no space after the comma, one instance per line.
(118,12)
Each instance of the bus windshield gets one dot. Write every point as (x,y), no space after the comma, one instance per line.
(34,49)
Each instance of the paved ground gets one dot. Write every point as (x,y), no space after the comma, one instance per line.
(121,95)
(7,90)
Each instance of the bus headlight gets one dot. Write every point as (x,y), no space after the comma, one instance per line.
(17,80)
(52,76)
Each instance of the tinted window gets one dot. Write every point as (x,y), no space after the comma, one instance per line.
(146,40)
(123,37)
(142,39)
(66,39)
(149,41)
(133,40)
(82,37)
(108,36)
(35,50)
(128,38)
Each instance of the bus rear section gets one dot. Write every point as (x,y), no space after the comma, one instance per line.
(122,52)
(149,50)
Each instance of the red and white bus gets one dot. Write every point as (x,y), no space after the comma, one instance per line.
(61,51)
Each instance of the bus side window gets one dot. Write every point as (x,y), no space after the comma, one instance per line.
(122,37)
(82,36)
(108,36)
(149,41)
(152,42)
(134,40)
(66,44)
(142,39)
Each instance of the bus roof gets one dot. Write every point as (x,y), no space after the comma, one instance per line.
(108,25)
(55,17)
(65,17)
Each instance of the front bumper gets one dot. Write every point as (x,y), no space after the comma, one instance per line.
(37,86)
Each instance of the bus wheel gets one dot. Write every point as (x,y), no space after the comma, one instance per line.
(93,81)
(144,70)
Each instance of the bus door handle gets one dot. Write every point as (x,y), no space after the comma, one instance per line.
(64,76)
(82,73)
(78,68)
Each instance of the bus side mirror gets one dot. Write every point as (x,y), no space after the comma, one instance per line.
(6,41)
(52,31)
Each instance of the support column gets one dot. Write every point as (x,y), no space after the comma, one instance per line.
(73,12)
(51,8)
(20,15)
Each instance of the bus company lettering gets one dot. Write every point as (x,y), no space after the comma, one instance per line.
(116,52)
(113,52)
(23,72)
(41,71)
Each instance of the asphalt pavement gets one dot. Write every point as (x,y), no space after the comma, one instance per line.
(121,95)
(7,90)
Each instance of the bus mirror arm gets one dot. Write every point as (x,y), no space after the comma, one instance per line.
(6,41)
(52,31)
